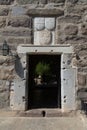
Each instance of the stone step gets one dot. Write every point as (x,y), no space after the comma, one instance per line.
(41,113)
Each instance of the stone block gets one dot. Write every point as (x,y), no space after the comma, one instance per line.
(15,32)
(18,100)
(71,30)
(22,21)
(18,10)
(27,1)
(7,60)
(68,83)
(84,29)
(4,11)
(15,40)
(50,23)
(6,73)
(70,19)
(2,22)
(39,23)
(43,1)
(29,40)
(76,9)
(6,2)
(82,95)
(4,59)
(83,1)
(3,103)
(43,37)
(4,94)
(81,79)
(72,1)
(78,105)
(85,18)
(56,1)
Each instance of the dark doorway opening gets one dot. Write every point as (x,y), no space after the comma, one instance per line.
(46,94)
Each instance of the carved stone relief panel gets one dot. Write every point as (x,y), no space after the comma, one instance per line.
(44,30)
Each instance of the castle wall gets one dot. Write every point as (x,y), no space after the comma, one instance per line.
(16,27)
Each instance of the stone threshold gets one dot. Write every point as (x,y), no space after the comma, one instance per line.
(40,113)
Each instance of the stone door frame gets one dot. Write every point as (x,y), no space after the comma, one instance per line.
(68,75)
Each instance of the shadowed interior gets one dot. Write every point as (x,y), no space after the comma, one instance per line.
(45,95)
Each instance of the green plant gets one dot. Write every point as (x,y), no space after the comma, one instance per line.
(42,69)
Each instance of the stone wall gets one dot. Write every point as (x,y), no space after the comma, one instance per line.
(16,27)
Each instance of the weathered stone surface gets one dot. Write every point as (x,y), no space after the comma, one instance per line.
(70,19)
(81,79)
(5,2)
(39,23)
(85,18)
(27,1)
(82,63)
(4,60)
(84,29)
(50,23)
(43,37)
(71,30)
(15,40)
(4,103)
(2,22)
(15,32)
(4,11)
(29,40)
(20,21)
(18,10)
(4,94)
(74,40)
(56,1)
(83,1)
(46,12)
(76,9)
(43,1)
(6,73)
(73,1)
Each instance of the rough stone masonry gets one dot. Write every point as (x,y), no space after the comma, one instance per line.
(16,27)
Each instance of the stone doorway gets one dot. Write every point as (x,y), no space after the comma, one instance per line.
(19,99)
(46,94)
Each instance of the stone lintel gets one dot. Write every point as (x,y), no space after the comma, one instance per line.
(44,49)
(45,12)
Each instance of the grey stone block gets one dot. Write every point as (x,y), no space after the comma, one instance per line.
(18,100)
(18,10)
